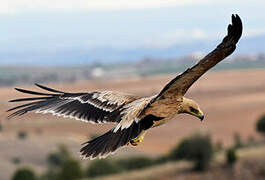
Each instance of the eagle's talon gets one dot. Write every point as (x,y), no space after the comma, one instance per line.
(136,141)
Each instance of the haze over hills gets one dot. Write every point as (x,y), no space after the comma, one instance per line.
(74,34)
(64,33)
(79,56)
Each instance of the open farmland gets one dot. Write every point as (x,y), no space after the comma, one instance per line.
(231,100)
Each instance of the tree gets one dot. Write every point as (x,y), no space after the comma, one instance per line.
(238,141)
(102,167)
(261,125)
(197,148)
(71,170)
(62,166)
(55,159)
(16,160)
(22,134)
(49,175)
(231,156)
(135,162)
(24,174)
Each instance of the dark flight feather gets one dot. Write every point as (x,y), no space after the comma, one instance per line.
(82,106)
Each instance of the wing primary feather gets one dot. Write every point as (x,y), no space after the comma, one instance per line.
(33,92)
(33,104)
(21,106)
(29,99)
(48,89)
(29,107)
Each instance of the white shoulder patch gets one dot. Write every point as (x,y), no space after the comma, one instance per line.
(131,112)
(110,97)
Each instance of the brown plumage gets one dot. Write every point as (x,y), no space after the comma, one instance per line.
(134,115)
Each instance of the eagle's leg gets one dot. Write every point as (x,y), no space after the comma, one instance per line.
(139,139)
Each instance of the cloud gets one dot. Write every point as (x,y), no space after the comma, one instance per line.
(181,36)
(21,6)
(251,32)
(198,34)
(185,36)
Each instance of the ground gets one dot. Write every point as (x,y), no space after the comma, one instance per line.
(232,102)
(251,165)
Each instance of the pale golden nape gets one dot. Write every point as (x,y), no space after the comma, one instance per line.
(189,106)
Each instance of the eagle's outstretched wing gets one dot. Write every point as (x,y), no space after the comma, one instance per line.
(179,85)
(95,107)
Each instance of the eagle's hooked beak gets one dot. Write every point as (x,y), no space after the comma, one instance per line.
(200,115)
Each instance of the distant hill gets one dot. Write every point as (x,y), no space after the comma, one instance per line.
(77,56)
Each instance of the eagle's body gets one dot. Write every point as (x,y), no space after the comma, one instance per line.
(133,115)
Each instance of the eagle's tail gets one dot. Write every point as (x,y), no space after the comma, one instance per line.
(109,142)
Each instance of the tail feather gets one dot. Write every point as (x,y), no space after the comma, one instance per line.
(109,142)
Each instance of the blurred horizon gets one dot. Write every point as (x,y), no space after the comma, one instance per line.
(81,32)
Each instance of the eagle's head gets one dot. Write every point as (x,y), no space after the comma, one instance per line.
(189,106)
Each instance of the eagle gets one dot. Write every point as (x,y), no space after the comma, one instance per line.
(133,115)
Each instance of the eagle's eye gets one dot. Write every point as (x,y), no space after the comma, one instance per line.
(192,109)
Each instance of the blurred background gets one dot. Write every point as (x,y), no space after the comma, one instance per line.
(135,47)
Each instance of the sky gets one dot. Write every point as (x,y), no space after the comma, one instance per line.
(43,26)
